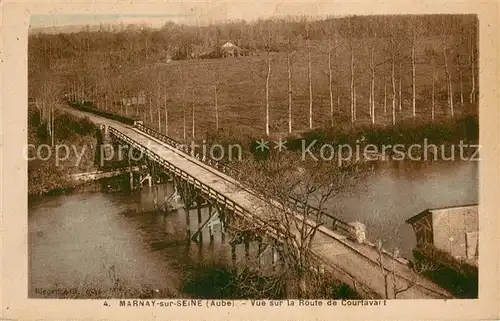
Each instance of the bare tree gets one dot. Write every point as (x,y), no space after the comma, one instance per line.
(371,102)
(393,78)
(158,95)
(184,112)
(150,108)
(166,114)
(388,232)
(290,52)
(193,120)
(309,74)
(400,101)
(47,90)
(432,55)
(289,71)
(266,36)
(184,85)
(217,84)
(472,95)
(310,183)
(433,75)
(353,94)
(449,82)
(330,33)
(460,78)
(385,93)
(268,76)
(415,26)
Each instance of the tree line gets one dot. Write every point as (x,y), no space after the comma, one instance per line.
(369,53)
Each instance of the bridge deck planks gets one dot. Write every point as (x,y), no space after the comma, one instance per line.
(357,259)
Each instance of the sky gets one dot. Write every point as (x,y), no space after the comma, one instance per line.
(184,13)
(93,19)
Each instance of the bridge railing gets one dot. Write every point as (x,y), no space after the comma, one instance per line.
(226,201)
(202,187)
(327,219)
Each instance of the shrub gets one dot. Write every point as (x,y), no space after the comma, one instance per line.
(459,277)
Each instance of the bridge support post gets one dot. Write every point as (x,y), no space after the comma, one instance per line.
(247,250)
(233,253)
(259,253)
(188,223)
(223,223)
(198,209)
(131,174)
(210,227)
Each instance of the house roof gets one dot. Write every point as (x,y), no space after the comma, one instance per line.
(228,44)
(428,211)
(419,216)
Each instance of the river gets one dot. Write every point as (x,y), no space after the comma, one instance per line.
(99,241)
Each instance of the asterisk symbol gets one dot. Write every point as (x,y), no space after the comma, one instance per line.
(262,144)
(280,145)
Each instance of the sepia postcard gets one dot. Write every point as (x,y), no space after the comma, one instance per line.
(295,160)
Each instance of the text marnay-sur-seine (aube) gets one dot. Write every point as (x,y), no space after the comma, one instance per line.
(256,303)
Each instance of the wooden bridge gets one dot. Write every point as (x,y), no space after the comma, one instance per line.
(357,265)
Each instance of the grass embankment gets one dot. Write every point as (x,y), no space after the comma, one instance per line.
(446,132)
(458,276)
(44,174)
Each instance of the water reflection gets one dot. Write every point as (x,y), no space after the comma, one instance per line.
(395,191)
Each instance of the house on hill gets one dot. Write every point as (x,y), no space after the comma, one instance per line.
(450,229)
(230,50)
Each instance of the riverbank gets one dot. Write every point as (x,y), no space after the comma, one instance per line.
(52,159)
(446,134)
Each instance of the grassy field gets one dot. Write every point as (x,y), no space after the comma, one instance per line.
(241,96)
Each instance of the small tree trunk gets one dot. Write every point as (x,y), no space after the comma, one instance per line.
(52,128)
(159,117)
(385,94)
(355,102)
(400,81)
(166,116)
(193,115)
(461,86)
(370,99)
(472,96)
(370,85)
(373,87)
(289,92)
(393,90)
(216,109)
(184,112)
(338,97)
(309,71)
(267,90)
(150,110)
(124,105)
(450,88)
(413,78)
(330,80)
(352,79)
(433,106)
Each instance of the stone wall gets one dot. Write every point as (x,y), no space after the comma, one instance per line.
(450,227)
